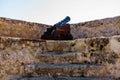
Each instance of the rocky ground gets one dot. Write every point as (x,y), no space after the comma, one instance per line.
(94,54)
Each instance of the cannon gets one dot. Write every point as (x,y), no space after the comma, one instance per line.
(59,31)
(62,22)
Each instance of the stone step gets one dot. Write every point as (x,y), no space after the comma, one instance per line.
(61,78)
(62,57)
(76,57)
(67,70)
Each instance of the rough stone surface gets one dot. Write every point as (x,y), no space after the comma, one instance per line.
(86,58)
(23,54)
(23,29)
(97,28)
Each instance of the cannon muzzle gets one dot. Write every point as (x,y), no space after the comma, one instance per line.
(62,22)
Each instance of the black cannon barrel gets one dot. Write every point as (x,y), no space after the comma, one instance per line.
(59,31)
(62,22)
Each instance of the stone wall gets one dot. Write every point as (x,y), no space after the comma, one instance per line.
(103,27)
(23,29)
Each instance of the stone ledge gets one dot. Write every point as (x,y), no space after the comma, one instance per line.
(60,78)
(106,44)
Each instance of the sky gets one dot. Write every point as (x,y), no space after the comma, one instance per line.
(52,11)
